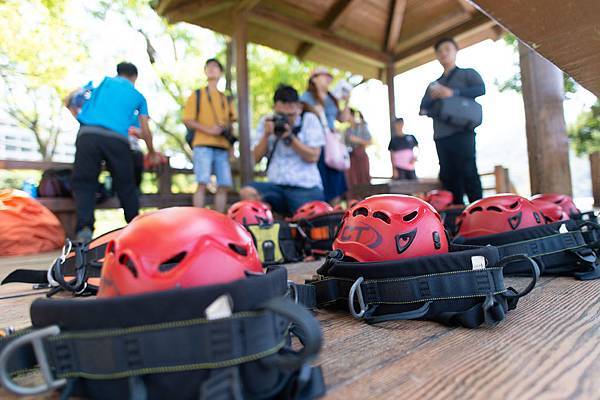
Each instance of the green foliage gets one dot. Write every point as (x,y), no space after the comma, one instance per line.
(514,82)
(38,48)
(585,132)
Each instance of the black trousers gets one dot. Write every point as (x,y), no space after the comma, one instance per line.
(90,151)
(405,174)
(458,166)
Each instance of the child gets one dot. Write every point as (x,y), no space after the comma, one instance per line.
(402,152)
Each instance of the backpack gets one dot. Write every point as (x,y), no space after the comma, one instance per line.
(189,136)
(56,182)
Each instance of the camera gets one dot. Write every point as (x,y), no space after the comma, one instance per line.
(227,133)
(279,121)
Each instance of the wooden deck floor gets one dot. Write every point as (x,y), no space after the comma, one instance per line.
(549,348)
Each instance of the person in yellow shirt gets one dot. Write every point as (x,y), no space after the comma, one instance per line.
(210,114)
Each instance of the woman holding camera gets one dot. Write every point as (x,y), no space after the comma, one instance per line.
(318,96)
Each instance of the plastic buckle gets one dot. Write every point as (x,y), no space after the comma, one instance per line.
(359,296)
(292,291)
(35,339)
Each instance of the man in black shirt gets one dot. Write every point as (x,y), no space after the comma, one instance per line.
(455,145)
(402,152)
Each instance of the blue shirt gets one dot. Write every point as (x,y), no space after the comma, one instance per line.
(331,109)
(112,105)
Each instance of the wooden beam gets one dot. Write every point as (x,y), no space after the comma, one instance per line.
(240,41)
(300,30)
(475,22)
(196,10)
(330,23)
(398,7)
(245,5)
(468,7)
(547,141)
(438,26)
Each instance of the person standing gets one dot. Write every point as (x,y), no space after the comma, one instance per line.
(402,152)
(358,138)
(318,96)
(103,137)
(455,145)
(210,114)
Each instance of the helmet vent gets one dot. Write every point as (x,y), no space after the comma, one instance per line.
(255,209)
(126,261)
(514,205)
(172,262)
(110,247)
(475,209)
(411,216)
(360,211)
(382,216)
(238,249)
(494,208)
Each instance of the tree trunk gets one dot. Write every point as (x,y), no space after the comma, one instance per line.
(595,168)
(547,141)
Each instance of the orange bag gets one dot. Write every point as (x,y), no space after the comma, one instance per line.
(26,226)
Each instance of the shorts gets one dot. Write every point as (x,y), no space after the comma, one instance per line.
(285,200)
(212,161)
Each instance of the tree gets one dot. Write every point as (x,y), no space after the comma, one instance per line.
(585,132)
(585,139)
(514,82)
(34,68)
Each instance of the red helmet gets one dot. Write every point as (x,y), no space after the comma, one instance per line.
(310,209)
(439,199)
(177,247)
(250,212)
(391,227)
(551,212)
(564,201)
(499,213)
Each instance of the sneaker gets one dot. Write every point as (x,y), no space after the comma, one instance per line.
(84,235)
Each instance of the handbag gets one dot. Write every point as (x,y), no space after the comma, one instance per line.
(459,111)
(336,153)
(462,112)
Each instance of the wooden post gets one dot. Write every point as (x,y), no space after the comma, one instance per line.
(595,168)
(502,179)
(240,39)
(164,175)
(389,74)
(547,142)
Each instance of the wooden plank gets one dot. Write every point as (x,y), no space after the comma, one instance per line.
(399,187)
(395,25)
(313,34)
(547,348)
(198,10)
(455,27)
(547,140)
(330,22)
(565,32)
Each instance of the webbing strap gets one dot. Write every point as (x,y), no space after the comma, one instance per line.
(544,246)
(417,289)
(169,347)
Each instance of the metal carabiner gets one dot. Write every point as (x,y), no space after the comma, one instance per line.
(35,339)
(66,249)
(292,291)
(361,301)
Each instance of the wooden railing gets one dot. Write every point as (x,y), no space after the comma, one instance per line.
(64,207)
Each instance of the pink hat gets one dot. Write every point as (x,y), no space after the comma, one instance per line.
(320,71)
